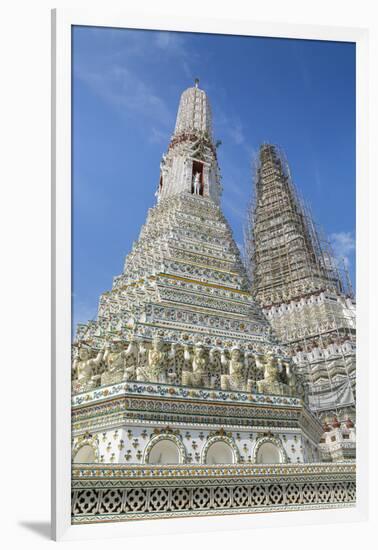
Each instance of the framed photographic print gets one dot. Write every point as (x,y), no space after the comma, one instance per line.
(205,345)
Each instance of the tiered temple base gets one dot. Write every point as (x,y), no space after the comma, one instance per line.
(128,423)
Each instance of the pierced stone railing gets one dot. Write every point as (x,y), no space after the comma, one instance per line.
(103,493)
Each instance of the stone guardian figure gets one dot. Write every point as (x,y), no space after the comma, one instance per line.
(271,383)
(85,367)
(197,377)
(235,379)
(116,359)
(156,369)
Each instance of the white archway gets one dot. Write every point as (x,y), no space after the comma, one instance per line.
(268,453)
(164,452)
(220,453)
(85,455)
(220,450)
(164,449)
(269,450)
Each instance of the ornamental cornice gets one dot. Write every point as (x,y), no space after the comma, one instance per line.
(179,410)
(145,471)
(230,337)
(182,392)
(146,410)
(198,284)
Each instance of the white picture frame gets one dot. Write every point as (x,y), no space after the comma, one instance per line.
(62,21)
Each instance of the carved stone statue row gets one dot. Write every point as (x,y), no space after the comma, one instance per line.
(114,364)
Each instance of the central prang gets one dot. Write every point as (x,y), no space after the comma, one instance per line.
(179,344)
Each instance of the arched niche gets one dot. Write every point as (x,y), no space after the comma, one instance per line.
(268,454)
(164,449)
(85,455)
(269,450)
(220,450)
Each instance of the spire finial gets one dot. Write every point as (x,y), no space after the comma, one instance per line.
(196,82)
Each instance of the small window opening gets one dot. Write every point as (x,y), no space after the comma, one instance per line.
(197,178)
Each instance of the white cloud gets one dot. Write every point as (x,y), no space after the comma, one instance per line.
(120,84)
(235,188)
(236,132)
(234,208)
(158,136)
(230,125)
(122,88)
(343,245)
(174,46)
(166,40)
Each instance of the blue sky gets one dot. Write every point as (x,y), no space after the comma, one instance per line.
(298,94)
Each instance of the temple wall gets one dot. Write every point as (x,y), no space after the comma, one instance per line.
(128,445)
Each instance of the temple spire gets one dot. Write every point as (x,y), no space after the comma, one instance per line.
(194,112)
(190,164)
(286,257)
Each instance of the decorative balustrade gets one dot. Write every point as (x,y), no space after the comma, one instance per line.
(121,493)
